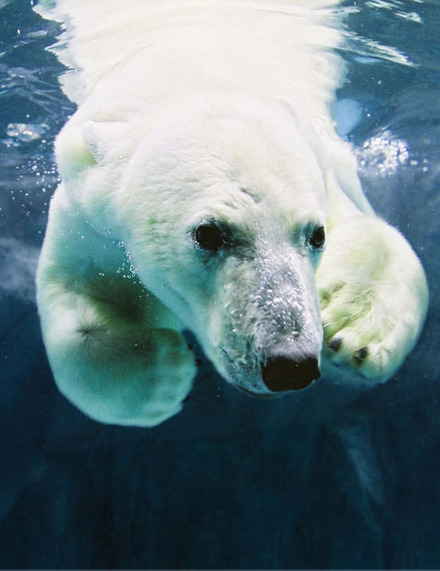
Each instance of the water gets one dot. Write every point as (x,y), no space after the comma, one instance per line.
(230,482)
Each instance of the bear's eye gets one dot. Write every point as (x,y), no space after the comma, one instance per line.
(317,239)
(209,236)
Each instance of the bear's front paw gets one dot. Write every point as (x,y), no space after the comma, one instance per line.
(359,335)
(373,297)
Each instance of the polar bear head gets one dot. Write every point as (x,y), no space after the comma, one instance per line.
(223,213)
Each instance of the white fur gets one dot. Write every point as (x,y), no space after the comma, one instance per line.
(198,111)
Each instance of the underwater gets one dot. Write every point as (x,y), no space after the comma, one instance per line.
(313,480)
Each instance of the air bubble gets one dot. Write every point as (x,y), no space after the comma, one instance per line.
(384,153)
(26,132)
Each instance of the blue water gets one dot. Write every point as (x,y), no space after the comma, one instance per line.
(230,482)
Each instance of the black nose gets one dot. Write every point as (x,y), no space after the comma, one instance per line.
(285,374)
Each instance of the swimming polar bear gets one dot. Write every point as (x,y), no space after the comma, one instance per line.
(204,188)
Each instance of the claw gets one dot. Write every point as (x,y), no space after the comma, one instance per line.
(335,344)
(360,355)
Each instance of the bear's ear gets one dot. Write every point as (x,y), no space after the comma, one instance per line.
(102,138)
(81,147)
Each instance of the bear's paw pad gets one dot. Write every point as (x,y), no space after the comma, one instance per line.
(362,336)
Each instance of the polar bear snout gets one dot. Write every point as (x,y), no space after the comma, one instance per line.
(282,373)
(266,336)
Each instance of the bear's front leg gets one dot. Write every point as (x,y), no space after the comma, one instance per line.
(115,370)
(108,363)
(374,298)
(115,350)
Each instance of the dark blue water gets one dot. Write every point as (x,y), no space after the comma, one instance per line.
(230,482)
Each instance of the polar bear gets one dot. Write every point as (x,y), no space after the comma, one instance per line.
(204,188)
